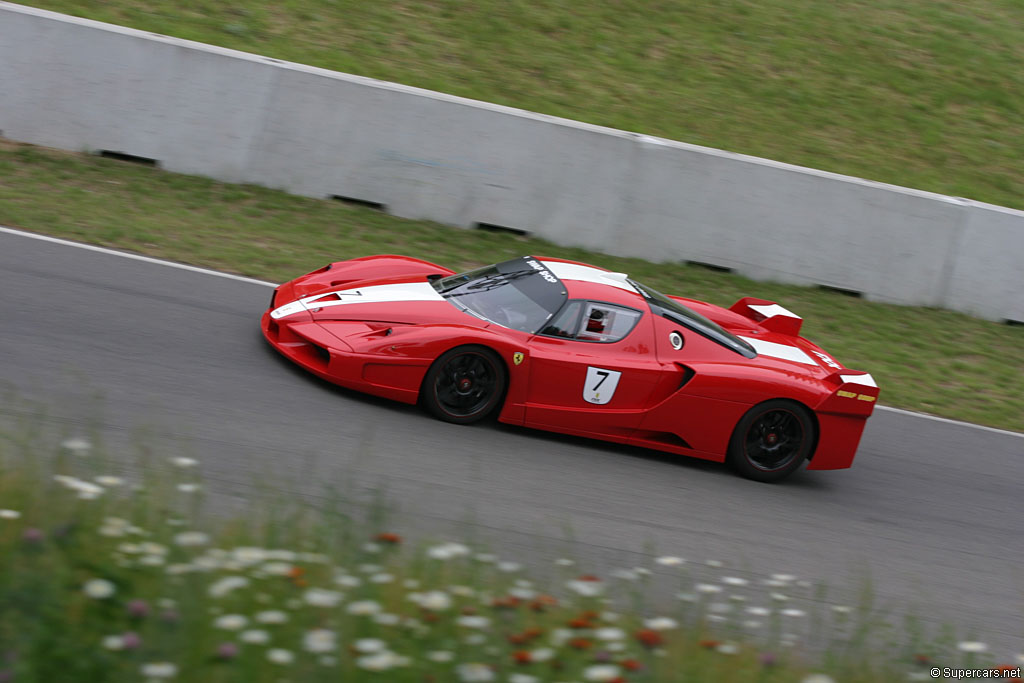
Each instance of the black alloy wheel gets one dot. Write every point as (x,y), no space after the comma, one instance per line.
(772,440)
(464,385)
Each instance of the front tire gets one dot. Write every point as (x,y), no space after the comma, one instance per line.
(464,385)
(772,440)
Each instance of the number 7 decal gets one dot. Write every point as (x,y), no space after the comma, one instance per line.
(600,384)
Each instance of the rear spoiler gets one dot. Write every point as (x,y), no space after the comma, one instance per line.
(769,315)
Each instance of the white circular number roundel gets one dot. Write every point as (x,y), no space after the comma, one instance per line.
(676,340)
(600,384)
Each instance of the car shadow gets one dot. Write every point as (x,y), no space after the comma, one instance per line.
(802,479)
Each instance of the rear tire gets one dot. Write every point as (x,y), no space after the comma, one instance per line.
(772,440)
(464,385)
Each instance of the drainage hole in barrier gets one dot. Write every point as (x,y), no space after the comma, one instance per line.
(131,158)
(840,290)
(710,266)
(365,203)
(491,227)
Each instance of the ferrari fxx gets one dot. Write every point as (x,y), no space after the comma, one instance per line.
(567,347)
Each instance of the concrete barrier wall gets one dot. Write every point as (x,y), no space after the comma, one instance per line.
(82,85)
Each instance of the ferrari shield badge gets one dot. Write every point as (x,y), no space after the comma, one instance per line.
(600,385)
(517,357)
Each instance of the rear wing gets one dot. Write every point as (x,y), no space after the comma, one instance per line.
(769,315)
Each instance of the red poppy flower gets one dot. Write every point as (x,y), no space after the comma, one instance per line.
(631,665)
(649,637)
(542,602)
(580,643)
(507,602)
(522,656)
(388,537)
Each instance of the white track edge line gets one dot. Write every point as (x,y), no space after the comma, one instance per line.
(241,278)
(936,418)
(135,257)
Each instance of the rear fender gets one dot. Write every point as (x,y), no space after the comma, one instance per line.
(748,386)
(751,384)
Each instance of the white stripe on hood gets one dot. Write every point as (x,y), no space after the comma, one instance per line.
(378,294)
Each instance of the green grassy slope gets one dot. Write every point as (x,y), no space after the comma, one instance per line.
(923,93)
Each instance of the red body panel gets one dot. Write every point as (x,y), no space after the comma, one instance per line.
(686,401)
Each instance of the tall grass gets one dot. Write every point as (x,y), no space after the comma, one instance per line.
(130,577)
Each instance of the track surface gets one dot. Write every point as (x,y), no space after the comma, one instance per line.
(932,511)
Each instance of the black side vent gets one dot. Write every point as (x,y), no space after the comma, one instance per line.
(490,227)
(710,266)
(667,438)
(688,374)
(365,203)
(131,158)
(839,290)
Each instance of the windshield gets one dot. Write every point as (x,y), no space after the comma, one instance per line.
(682,315)
(520,294)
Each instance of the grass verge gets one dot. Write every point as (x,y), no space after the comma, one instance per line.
(922,93)
(929,360)
(116,577)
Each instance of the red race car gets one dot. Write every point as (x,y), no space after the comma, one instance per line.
(571,348)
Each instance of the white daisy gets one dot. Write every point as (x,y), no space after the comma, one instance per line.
(280,656)
(159,670)
(320,640)
(99,589)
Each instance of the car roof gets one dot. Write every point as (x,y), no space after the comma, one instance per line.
(583,281)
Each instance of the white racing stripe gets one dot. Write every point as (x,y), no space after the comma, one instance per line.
(379,294)
(574,271)
(264,283)
(783,351)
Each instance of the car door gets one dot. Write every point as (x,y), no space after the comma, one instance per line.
(592,370)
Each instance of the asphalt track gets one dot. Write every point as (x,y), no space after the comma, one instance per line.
(932,513)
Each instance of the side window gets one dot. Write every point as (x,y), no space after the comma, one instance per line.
(606,323)
(565,323)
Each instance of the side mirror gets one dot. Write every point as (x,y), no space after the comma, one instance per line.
(434,277)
